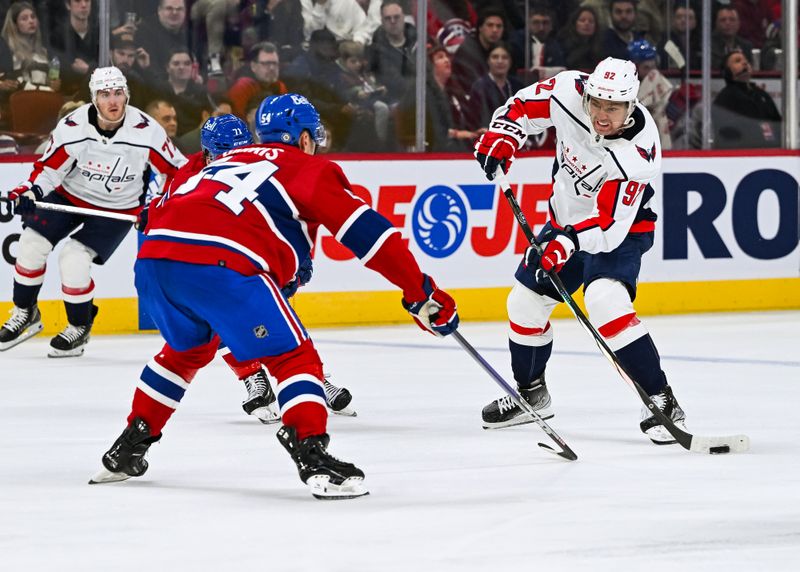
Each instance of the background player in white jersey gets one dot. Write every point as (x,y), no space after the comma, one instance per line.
(607,154)
(100,156)
(217,249)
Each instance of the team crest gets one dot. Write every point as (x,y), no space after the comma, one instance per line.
(69,122)
(647,155)
(144,122)
(580,83)
(260,332)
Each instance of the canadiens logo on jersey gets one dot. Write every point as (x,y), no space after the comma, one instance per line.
(647,155)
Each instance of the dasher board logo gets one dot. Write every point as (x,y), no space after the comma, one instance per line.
(439,221)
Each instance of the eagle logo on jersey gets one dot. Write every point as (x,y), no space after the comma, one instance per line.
(69,122)
(144,122)
(580,83)
(647,155)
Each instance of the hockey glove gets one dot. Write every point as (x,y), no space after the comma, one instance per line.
(301,278)
(24,199)
(437,313)
(559,245)
(141,219)
(497,146)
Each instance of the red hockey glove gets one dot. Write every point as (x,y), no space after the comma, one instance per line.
(562,244)
(496,147)
(437,313)
(23,198)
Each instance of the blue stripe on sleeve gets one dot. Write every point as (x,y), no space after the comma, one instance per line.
(364,232)
(162,385)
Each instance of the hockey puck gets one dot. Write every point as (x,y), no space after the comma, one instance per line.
(719,450)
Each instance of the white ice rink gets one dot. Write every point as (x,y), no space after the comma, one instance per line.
(221,494)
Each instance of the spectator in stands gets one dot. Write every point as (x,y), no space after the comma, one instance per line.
(683,18)
(546,57)
(581,40)
(755,16)
(393,51)
(654,88)
(24,61)
(469,62)
(743,115)
(189,142)
(362,91)
(77,44)
(261,80)
(187,96)
(621,32)
(650,19)
(372,10)
(168,33)
(213,15)
(276,21)
(344,18)
(124,55)
(164,113)
(725,38)
(492,90)
(449,21)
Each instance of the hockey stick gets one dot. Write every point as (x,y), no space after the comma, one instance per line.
(565,452)
(713,445)
(82,211)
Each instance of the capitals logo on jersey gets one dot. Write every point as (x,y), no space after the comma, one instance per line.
(647,155)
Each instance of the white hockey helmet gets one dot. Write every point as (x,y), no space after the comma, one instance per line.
(107,78)
(613,80)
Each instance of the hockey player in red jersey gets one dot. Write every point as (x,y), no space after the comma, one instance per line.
(100,156)
(607,155)
(218,249)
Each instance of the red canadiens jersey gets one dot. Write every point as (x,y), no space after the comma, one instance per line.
(257,209)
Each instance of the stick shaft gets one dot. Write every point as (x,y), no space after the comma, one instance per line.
(84,211)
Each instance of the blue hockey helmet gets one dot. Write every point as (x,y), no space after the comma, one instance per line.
(223,133)
(282,118)
(641,51)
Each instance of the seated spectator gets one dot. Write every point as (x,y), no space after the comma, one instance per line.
(492,90)
(654,88)
(260,79)
(168,33)
(445,122)
(393,51)
(164,113)
(725,38)
(186,95)
(344,18)
(452,16)
(755,16)
(469,61)
(77,44)
(361,90)
(372,10)
(683,18)
(546,55)
(124,55)
(189,142)
(213,16)
(743,115)
(24,61)
(277,21)
(581,40)
(621,32)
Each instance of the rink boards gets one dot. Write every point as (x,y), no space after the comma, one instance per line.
(727,239)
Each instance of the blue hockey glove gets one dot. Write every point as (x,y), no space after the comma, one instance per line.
(142,219)
(301,278)
(437,313)
(23,199)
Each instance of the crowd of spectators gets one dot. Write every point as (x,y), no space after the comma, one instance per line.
(356,59)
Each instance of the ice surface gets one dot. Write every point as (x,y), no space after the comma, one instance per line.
(221,493)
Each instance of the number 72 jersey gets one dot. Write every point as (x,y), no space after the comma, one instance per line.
(601,185)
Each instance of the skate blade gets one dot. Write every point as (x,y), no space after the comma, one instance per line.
(27,334)
(106,476)
(77,352)
(522,419)
(266,415)
(345,412)
(323,489)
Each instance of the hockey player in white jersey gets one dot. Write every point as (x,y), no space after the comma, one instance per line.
(607,155)
(100,157)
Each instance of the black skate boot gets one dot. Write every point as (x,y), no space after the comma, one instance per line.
(260,400)
(72,340)
(504,412)
(24,323)
(338,398)
(650,424)
(328,477)
(125,458)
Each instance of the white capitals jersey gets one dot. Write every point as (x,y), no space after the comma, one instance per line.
(93,170)
(601,186)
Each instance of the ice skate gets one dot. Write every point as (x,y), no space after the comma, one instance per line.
(125,458)
(338,398)
(650,425)
(24,323)
(504,412)
(72,340)
(260,402)
(326,476)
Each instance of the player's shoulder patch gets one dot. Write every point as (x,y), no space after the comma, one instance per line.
(580,83)
(647,155)
(69,120)
(143,122)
